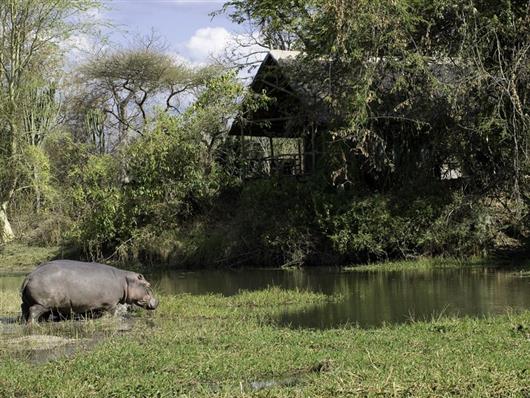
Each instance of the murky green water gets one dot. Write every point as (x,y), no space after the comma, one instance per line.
(370,299)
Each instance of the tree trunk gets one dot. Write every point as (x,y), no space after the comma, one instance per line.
(37,189)
(6,233)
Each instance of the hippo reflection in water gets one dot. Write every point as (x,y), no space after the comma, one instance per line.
(65,287)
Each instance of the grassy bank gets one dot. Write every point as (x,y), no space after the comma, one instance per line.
(19,257)
(229,346)
(421,264)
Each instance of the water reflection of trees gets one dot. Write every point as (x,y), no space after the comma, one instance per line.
(369,298)
(374,298)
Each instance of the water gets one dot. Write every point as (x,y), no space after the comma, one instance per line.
(11,281)
(370,299)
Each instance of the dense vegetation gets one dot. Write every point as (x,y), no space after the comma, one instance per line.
(128,157)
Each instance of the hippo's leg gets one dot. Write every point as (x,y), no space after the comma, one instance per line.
(35,312)
(24,308)
(112,310)
(58,315)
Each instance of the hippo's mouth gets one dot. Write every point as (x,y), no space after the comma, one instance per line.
(149,302)
(152,304)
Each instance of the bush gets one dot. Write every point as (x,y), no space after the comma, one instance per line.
(155,185)
(372,228)
(275,220)
(167,180)
(101,220)
(464,227)
(381,227)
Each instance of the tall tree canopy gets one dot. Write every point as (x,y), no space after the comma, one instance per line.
(119,91)
(31,35)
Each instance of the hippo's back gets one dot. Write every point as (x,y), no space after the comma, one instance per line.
(75,266)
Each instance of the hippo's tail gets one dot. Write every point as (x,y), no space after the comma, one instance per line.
(23,288)
(24,307)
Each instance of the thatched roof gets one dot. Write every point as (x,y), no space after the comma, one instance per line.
(276,77)
(299,89)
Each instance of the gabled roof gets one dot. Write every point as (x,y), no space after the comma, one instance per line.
(271,78)
(277,75)
(276,62)
(302,90)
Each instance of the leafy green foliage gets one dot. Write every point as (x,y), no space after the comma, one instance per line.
(285,222)
(381,227)
(29,61)
(276,221)
(97,206)
(412,85)
(166,174)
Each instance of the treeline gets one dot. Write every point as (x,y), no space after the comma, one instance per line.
(129,157)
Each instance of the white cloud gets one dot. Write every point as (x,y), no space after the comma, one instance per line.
(82,45)
(217,43)
(207,43)
(79,48)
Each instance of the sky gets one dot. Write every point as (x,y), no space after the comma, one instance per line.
(185,25)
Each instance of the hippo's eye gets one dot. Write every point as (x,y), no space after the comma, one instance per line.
(141,277)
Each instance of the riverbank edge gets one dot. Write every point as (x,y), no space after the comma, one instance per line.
(18,257)
(212,345)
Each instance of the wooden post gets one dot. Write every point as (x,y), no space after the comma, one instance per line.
(244,169)
(313,149)
(300,165)
(271,143)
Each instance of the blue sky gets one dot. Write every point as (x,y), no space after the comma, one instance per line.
(186,25)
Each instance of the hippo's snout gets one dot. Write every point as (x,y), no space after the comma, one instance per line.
(151,304)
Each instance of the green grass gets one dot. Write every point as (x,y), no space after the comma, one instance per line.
(421,264)
(18,257)
(203,346)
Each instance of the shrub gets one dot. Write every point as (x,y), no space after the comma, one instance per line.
(101,221)
(166,177)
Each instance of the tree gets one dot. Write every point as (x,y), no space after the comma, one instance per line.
(281,25)
(31,32)
(124,88)
(209,117)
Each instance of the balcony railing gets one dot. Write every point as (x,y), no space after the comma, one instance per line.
(284,165)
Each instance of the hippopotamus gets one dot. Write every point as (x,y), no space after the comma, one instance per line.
(65,287)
